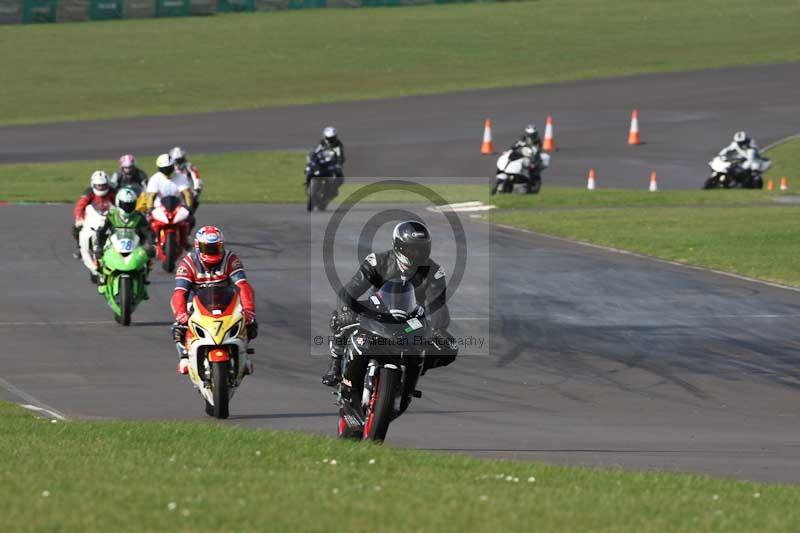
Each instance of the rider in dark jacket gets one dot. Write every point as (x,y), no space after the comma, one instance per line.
(129,175)
(409,260)
(330,141)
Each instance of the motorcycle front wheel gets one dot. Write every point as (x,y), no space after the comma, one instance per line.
(313,193)
(534,186)
(219,376)
(381,405)
(125,300)
(171,253)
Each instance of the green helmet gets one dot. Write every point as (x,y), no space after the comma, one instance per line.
(126,200)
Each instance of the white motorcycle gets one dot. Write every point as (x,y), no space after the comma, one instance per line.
(217,346)
(520,170)
(730,170)
(93,220)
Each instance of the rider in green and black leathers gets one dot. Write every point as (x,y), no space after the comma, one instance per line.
(125,215)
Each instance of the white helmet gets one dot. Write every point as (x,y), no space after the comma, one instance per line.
(99,182)
(531,130)
(126,201)
(741,137)
(178,155)
(165,164)
(329,132)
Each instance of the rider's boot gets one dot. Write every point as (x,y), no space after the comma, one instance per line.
(94,278)
(334,373)
(179,336)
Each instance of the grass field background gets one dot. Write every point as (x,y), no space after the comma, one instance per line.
(164,66)
(182,476)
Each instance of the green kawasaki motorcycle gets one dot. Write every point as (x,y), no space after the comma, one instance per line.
(124,270)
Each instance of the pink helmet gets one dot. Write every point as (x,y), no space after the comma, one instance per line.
(127,160)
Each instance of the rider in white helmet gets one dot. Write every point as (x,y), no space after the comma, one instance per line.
(330,141)
(183,165)
(99,195)
(744,150)
(530,138)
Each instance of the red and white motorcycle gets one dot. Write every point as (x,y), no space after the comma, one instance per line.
(169,220)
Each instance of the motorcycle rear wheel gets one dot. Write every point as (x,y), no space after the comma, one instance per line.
(219,376)
(125,300)
(379,414)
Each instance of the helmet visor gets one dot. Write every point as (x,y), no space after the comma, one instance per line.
(128,207)
(210,248)
(100,186)
(413,254)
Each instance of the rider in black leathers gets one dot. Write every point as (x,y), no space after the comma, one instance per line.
(330,141)
(409,259)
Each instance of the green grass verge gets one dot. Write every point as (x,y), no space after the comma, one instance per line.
(745,232)
(786,162)
(180,476)
(276,177)
(244,177)
(164,66)
(760,242)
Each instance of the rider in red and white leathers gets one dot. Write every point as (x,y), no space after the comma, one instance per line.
(99,196)
(208,265)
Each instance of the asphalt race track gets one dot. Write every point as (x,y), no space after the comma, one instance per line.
(685,119)
(590,357)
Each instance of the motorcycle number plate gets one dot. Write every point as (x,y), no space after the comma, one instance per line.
(125,245)
(413,324)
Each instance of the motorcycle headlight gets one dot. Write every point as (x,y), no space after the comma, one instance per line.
(199,331)
(234,330)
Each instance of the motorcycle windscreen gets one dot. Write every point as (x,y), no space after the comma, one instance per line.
(125,240)
(398,297)
(170,203)
(216,298)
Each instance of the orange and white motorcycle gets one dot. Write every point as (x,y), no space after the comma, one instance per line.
(217,346)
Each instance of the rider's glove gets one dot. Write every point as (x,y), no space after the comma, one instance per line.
(346,316)
(150,250)
(98,253)
(249,316)
(252,330)
(182,318)
(178,331)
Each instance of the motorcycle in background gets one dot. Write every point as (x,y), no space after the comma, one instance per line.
(321,174)
(124,271)
(170,223)
(520,170)
(730,171)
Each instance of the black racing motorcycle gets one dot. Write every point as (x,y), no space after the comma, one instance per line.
(321,179)
(384,358)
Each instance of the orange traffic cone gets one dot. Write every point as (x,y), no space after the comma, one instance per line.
(784,183)
(590,185)
(633,134)
(548,145)
(653,182)
(487,147)
(770,185)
